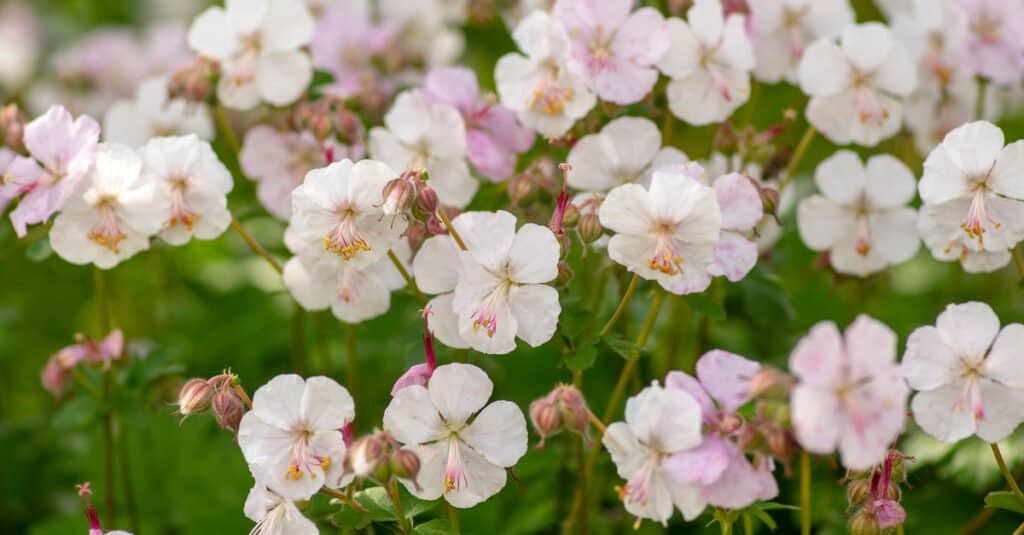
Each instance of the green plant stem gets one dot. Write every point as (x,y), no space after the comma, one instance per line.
(350,357)
(899,529)
(979,105)
(255,245)
(126,479)
(453,518)
(298,349)
(405,275)
(798,156)
(225,129)
(451,229)
(403,522)
(726,527)
(1018,260)
(1010,480)
(748,525)
(103,327)
(805,493)
(578,504)
(581,483)
(86,383)
(622,306)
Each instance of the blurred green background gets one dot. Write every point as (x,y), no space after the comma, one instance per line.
(198,309)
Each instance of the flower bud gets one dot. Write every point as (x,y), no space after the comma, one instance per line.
(195,397)
(546,418)
(12,125)
(228,408)
(864,523)
(889,513)
(426,200)
(589,228)
(521,189)
(564,274)
(770,380)
(398,196)
(575,414)
(571,218)
(858,492)
(405,464)
(368,454)
(435,227)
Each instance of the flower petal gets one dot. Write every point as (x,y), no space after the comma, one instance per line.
(498,433)
(412,418)
(458,391)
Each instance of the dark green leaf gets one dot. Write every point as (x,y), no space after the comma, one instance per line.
(77,413)
(434,527)
(39,250)
(624,347)
(377,504)
(1004,499)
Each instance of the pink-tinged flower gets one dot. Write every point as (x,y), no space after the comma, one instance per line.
(494,136)
(944,236)
(151,114)
(994,48)
(742,210)
(856,86)
(709,60)
(851,396)
(548,96)
(626,150)
(502,290)
(861,216)
(725,475)
(659,423)
(345,43)
(259,44)
(56,375)
(420,374)
(279,161)
(436,269)
(63,150)
(464,444)
(275,514)
(968,374)
(112,214)
(90,512)
(932,113)
(935,34)
(613,48)
(20,39)
(973,181)
(784,28)
(292,437)
(667,232)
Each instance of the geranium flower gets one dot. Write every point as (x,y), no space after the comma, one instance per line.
(259,46)
(946,240)
(627,149)
(784,28)
(851,396)
(861,216)
(709,61)
(540,87)
(994,49)
(502,290)
(151,114)
(667,232)
(345,43)
(742,209)
(463,445)
(968,374)
(613,48)
(436,269)
(275,514)
(292,437)
(418,134)
(856,86)
(113,213)
(659,423)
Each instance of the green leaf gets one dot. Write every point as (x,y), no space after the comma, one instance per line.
(377,504)
(39,250)
(763,517)
(1004,499)
(320,79)
(77,413)
(624,347)
(582,357)
(414,507)
(434,527)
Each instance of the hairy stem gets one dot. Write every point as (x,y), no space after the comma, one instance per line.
(451,229)
(798,156)
(408,278)
(805,493)
(255,245)
(403,522)
(622,306)
(226,131)
(1010,480)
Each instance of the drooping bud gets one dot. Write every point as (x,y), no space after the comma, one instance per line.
(565,274)
(521,188)
(546,418)
(426,200)
(405,464)
(195,397)
(398,196)
(575,414)
(863,522)
(557,223)
(368,454)
(768,380)
(726,139)
(858,492)
(589,228)
(228,407)
(194,83)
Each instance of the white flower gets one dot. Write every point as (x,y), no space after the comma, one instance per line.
(855,86)
(436,269)
(259,46)
(353,295)
(784,28)
(150,114)
(627,149)
(194,185)
(463,457)
(935,34)
(424,135)
(336,213)
(861,216)
(275,514)
(931,113)
(292,437)
(742,209)
(659,422)
(709,61)
(501,292)
(540,87)
(943,235)
(113,213)
(968,374)
(666,233)
(971,180)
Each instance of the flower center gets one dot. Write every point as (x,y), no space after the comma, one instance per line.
(988,28)
(486,315)
(666,258)
(970,396)
(548,96)
(978,217)
(638,488)
(600,46)
(303,459)
(344,240)
(863,233)
(245,66)
(792,21)
(106,231)
(455,476)
(180,212)
(869,108)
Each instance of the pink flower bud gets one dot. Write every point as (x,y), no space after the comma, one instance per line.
(405,464)
(426,200)
(228,408)
(546,418)
(565,274)
(195,397)
(589,228)
(398,196)
(55,378)
(12,127)
(571,218)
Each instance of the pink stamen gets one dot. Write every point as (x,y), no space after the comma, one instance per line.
(303,460)
(455,476)
(638,487)
(869,109)
(180,212)
(665,259)
(106,231)
(863,235)
(344,240)
(978,218)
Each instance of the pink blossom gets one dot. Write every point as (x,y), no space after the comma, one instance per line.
(613,49)
(494,136)
(994,47)
(742,210)
(419,374)
(726,476)
(851,395)
(57,373)
(345,42)
(63,150)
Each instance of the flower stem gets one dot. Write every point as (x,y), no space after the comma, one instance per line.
(622,306)
(453,518)
(405,275)
(979,105)
(805,493)
(1019,530)
(343,498)
(350,357)
(1010,480)
(581,482)
(798,156)
(298,349)
(103,325)
(225,129)
(403,522)
(126,479)
(1018,259)
(451,228)
(255,245)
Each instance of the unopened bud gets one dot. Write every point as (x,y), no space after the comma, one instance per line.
(398,196)
(426,200)
(435,227)
(565,274)
(864,523)
(228,408)
(770,380)
(12,125)
(770,200)
(889,513)
(858,492)
(368,454)
(195,397)
(589,228)
(521,189)
(571,217)
(575,414)
(405,464)
(546,418)
(726,139)
(194,83)
(780,443)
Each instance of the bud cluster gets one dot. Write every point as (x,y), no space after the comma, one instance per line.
(875,497)
(195,83)
(562,409)
(221,395)
(328,119)
(379,457)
